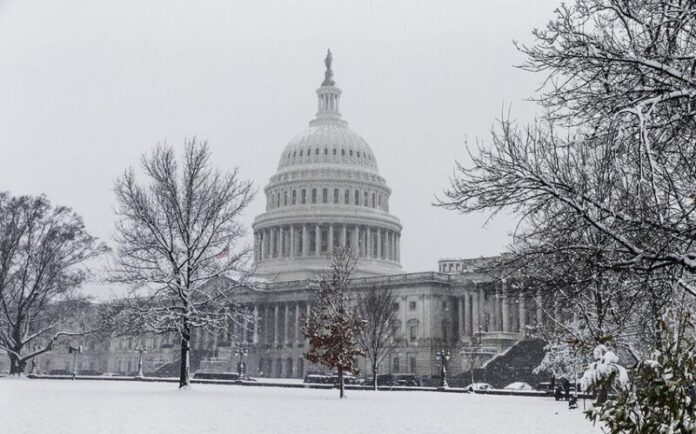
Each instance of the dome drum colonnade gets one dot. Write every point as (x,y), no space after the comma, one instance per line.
(327,192)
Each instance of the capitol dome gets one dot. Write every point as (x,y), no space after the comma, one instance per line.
(326,192)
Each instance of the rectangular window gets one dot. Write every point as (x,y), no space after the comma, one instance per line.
(413,332)
(314,195)
(365,199)
(413,364)
(304,196)
(325,196)
(346,197)
(335,195)
(395,364)
(411,305)
(357,198)
(294,197)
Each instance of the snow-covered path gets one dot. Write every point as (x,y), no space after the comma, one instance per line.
(50,406)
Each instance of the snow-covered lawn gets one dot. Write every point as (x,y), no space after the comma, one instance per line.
(52,406)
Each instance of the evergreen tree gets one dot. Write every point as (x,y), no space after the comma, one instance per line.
(333,327)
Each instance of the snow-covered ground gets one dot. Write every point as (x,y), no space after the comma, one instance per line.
(53,406)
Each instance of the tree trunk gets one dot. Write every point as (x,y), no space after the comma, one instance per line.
(185,353)
(374,376)
(340,383)
(17,365)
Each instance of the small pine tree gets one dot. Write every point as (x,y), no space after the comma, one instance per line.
(333,326)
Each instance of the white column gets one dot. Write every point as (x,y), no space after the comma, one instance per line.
(344,236)
(297,324)
(276,324)
(262,247)
(273,243)
(475,312)
(460,311)
(398,248)
(355,243)
(330,242)
(379,243)
(305,241)
(505,313)
(256,324)
(368,242)
(286,321)
(467,315)
(317,240)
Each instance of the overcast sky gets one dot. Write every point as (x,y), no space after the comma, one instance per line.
(86,87)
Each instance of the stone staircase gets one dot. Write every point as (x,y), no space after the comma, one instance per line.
(514,364)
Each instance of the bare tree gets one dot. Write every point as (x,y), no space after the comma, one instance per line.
(378,336)
(43,251)
(178,240)
(603,184)
(333,327)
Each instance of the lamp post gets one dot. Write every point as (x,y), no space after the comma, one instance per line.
(140,349)
(443,356)
(74,351)
(241,350)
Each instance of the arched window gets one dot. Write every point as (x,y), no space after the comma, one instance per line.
(379,200)
(335,195)
(304,196)
(373,200)
(358,154)
(346,197)
(301,152)
(343,152)
(365,199)
(357,198)
(326,151)
(325,195)
(278,200)
(294,154)
(294,197)
(314,195)
(334,151)
(316,151)
(285,198)
(350,152)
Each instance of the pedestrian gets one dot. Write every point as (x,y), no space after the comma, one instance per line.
(558,394)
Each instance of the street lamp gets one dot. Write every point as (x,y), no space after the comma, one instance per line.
(74,351)
(241,350)
(443,356)
(140,349)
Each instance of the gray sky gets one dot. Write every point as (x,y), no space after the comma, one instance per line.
(86,87)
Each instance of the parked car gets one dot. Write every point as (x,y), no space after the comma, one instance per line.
(478,386)
(331,379)
(518,385)
(110,374)
(397,380)
(230,376)
(317,379)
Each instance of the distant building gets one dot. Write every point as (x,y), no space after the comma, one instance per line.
(328,192)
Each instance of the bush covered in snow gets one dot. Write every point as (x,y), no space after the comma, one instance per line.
(659,398)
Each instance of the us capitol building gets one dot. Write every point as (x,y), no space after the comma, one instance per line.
(327,191)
